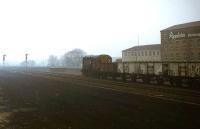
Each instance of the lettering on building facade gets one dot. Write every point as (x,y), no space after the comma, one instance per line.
(181,35)
(176,36)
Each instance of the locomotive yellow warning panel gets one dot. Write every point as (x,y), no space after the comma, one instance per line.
(104,58)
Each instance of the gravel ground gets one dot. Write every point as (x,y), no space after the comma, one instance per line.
(28,102)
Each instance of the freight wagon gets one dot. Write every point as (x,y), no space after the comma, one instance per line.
(157,72)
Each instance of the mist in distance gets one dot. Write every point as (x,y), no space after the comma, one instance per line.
(49,27)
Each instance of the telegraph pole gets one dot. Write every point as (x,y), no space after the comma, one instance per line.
(137,48)
(26,58)
(138,53)
(4,58)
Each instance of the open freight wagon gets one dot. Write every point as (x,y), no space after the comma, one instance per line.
(169,73)
(174,73)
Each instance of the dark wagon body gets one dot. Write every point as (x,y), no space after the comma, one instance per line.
(170,73)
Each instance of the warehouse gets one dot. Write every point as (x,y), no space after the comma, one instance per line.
(181,42)
(142,53)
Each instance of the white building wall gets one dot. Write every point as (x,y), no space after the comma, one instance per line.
(144,55)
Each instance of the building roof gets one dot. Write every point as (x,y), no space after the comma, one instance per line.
(144,47)
(119,60)
(185,25)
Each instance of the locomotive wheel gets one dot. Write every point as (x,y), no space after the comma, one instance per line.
(124,77)
(160,81)
(194,83)
(172,81)
(178,82)
(146,80)
(133,78)
(113,77)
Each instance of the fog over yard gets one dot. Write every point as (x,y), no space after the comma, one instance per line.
(44,27)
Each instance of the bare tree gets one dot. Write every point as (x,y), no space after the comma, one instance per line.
(73,58)
(53,61)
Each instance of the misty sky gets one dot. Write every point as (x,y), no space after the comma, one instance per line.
(43,27)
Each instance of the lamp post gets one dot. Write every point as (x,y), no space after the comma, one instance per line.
(137,50)
(26,58)
(4,58)
(137,54)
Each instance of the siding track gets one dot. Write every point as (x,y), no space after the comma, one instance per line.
(159,92)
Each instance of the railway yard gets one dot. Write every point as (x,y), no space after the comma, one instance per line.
(100,64)
(36,99)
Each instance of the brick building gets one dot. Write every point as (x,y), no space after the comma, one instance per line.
(181,42)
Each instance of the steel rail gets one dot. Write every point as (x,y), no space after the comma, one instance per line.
(164,95)
(130,84)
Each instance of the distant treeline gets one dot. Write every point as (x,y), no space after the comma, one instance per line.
(71,59)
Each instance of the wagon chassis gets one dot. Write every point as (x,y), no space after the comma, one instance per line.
(184,77)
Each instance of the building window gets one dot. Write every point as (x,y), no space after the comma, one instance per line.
(192,54)
(145,53)
(142,53)
(129,53)
(153,53)
(138,53)
(125,53)
(149,53)
(158,53)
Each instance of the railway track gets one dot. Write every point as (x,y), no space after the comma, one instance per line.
(125,84)
(165,93)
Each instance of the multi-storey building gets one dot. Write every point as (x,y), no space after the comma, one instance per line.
(142,53)
(181,42)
